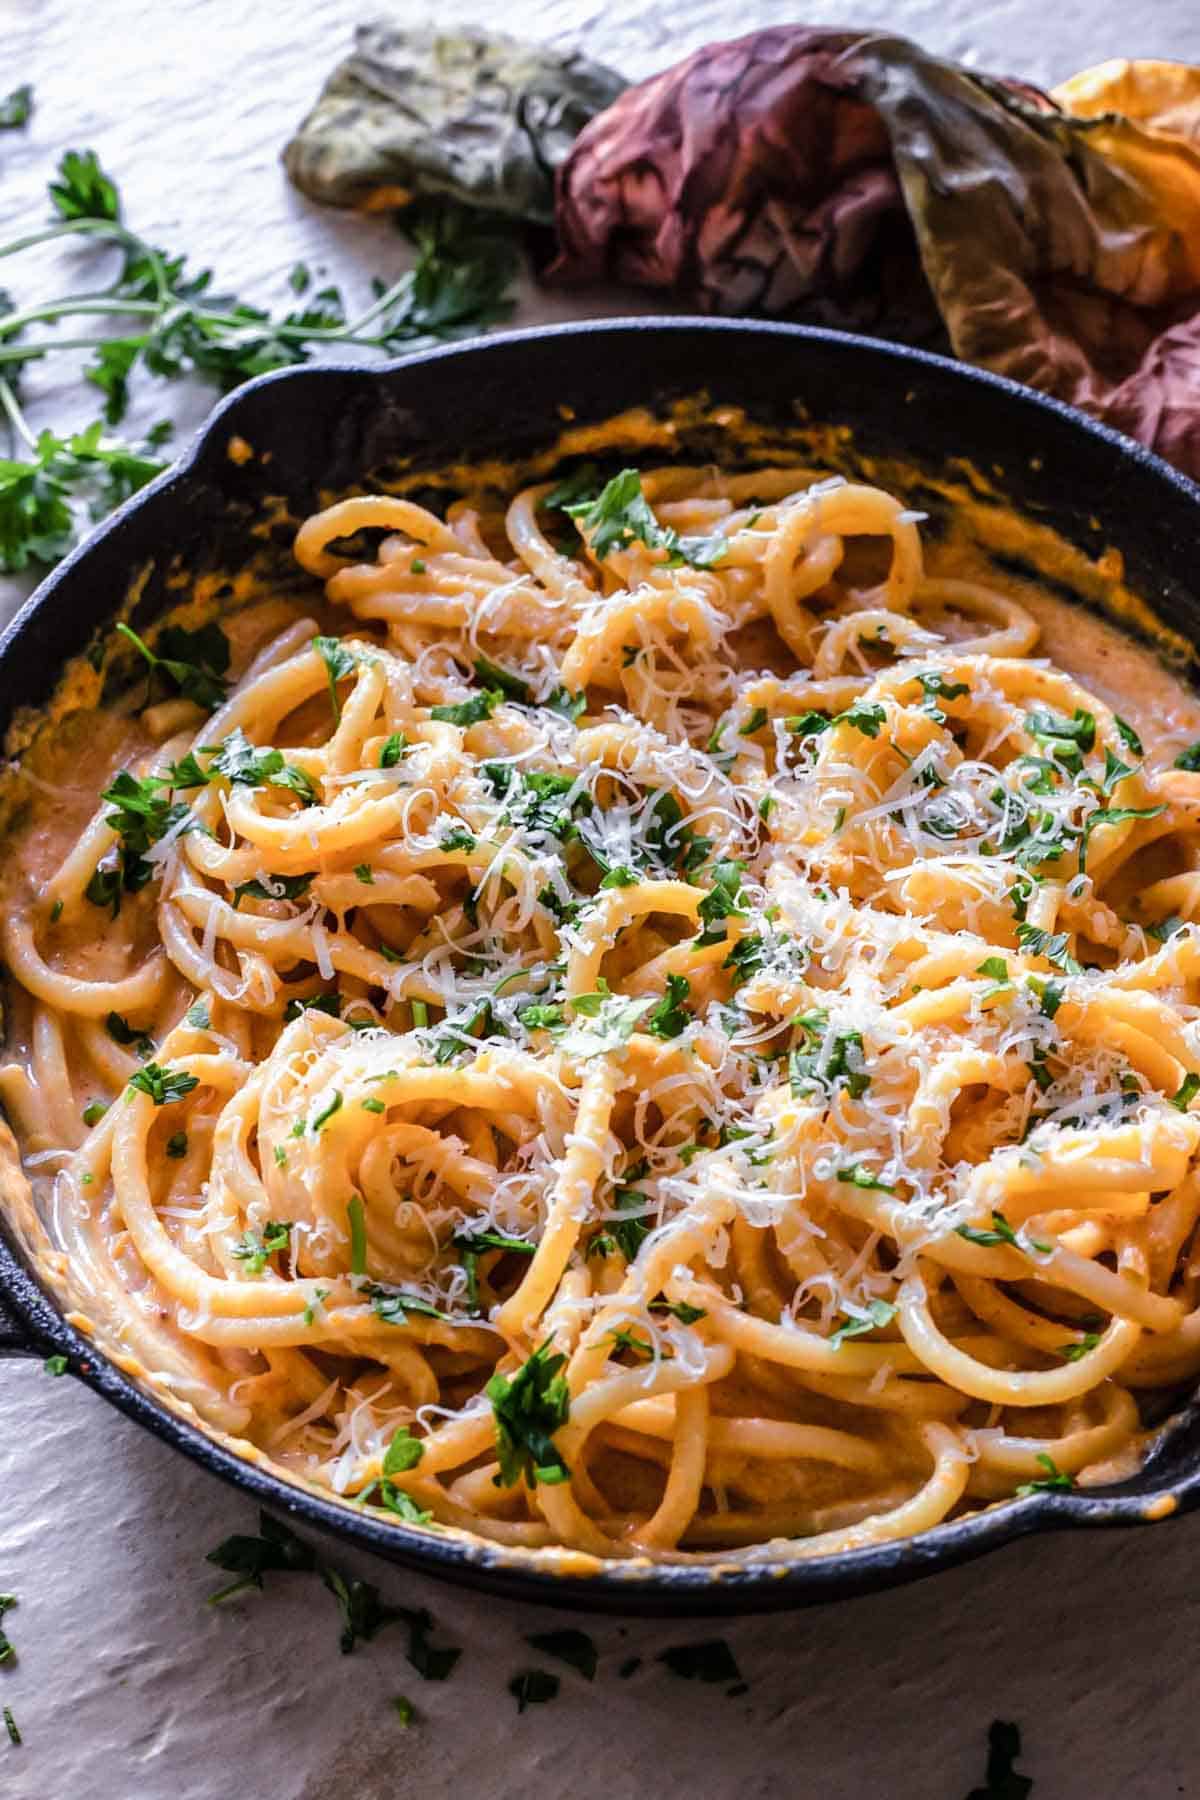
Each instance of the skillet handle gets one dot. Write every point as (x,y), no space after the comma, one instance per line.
(16,1337)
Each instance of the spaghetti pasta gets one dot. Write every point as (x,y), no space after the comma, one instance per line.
(645,1022)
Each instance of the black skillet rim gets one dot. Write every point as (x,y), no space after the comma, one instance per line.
(31,1324)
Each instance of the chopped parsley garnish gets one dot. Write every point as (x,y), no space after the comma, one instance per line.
(177,1145)
(575,1648)
(1001,1778)
(357,1221)
(403,1453)
(564,702)
(274,887)
(163,1085)
(724,900)
(1051,945)
(1049,994)
(711,1661)
(670,1017)
(1065,741)
(255,1251)
(1074,1352)
(1001,1232)
(394,1304)
(16,107)
(865,716)
(678,1309)
(620,515)
(7,1602)
(746,958)
(362,1610)
(1128,735)
(1187,1091)
(339,662)
(1190,758)
(603,1021)
(331,1106)
(198,1017)
(824,1061)
(533,1687)
(1054,1481)
(195,661)
(858,1176)
(140,818)
(393,749)
(472,711)
(528,1408)
(244,764)
(513,687)
(755,722)
(878,1313)
(250,1558)
(11,1726)
(131,1036)
(471,1245)
(53,1365)
(458,838)
(936,687)
(542,1017)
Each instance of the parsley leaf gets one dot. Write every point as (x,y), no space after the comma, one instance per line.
(339,662)
(619,515)
(711,1661)
(1001,1233)
(603,1021)
(533,1687)
(1051,945)
(255,1251)
(724,900)
(163,1085)
(1003,1781)
(503,681)
(250,1558)
(16,108)
(394,1304)
(473,711)
(196,661)
(669,1018)
(1128,735)
(859,1176)
(273,887)
(878,1312)
(528,1408)
(1055,1481)
(575,1648)
(1075,1351)
(1188,1089)
(471,1245)
(822,1060)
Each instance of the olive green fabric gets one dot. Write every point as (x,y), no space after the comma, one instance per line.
(478,117)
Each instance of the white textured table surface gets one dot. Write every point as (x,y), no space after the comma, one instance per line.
(125,1682)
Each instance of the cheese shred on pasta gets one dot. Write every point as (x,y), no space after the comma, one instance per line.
(645,1023)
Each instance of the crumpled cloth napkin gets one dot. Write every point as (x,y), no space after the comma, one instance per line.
(827,175)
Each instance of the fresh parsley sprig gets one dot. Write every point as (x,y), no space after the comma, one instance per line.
(172,324)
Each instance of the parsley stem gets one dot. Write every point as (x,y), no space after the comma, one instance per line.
(16,418)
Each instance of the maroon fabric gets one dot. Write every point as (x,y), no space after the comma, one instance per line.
(849,177)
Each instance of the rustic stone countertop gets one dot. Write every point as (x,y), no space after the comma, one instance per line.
(125,1683)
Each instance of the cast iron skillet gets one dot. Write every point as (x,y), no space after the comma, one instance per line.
(327,429)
